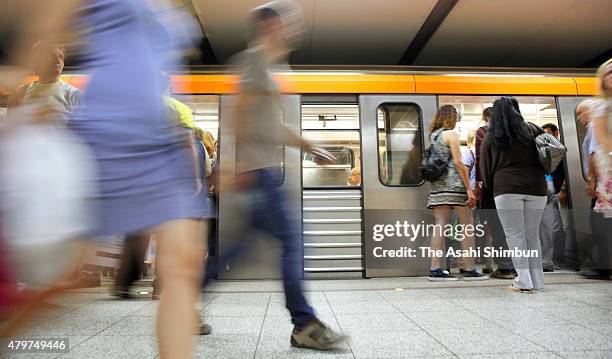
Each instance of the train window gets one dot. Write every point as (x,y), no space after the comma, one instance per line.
(330,117)
(334,127)
(400,144)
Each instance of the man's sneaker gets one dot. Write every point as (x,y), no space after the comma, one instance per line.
(204,329)
(123,294)
(472,275)
(315,335)
(549,269)
(503,274)
(440,275)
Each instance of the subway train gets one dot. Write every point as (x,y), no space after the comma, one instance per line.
(376,121)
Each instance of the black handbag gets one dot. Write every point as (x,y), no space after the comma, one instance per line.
(434,165)
(550,150)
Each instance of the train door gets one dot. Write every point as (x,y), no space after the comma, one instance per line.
(205,110)
(393,129)
(332,196)
(573,135)
(261,259)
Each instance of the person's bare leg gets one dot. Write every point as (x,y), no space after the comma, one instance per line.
(466,218)
(181,253)
(443,217)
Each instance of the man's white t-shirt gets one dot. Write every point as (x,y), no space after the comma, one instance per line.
(59,95)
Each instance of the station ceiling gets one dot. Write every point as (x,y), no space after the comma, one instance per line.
(489,33)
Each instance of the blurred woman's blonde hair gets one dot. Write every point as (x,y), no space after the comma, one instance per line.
(207,140)
(604,69)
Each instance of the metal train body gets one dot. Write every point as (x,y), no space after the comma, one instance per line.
(371,120)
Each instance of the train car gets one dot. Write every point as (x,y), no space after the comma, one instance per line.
(376,121)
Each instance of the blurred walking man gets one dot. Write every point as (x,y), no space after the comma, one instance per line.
(258,133)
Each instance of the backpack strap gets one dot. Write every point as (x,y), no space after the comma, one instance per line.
(439,133)
(473,158)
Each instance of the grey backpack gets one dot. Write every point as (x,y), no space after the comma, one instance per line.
(550,150)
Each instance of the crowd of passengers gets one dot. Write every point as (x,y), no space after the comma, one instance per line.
(499,181)
(152,176)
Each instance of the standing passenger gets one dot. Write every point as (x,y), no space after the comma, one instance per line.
(60,96)
(355,177)
(469,157)
(486,208)
(450,192)
(510,168)
(601,220)
(258,130)
(204,154)
(469,160)
(556,218)
(589,169)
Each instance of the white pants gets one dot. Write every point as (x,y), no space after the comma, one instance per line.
(551,225)
(520,216)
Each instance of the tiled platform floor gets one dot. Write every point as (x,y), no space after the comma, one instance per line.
(571,318)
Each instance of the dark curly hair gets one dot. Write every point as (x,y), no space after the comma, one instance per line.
(507,125)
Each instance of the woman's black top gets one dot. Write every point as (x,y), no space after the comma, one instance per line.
(512,169)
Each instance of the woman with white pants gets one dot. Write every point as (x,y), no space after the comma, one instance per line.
(509,166)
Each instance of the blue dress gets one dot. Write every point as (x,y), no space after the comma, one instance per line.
(145,167)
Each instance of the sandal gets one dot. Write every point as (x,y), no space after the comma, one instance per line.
(512,288)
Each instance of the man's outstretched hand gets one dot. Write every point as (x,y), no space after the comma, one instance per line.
(322,156)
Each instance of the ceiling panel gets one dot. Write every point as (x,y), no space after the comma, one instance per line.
(224,22)
(365,31)
(533,33)
(487,32)
(578,35)
(339,31)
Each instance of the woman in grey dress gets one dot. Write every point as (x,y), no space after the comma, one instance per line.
(450,192)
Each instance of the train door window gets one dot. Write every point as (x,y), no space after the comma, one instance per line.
(334,127)
(400,144)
